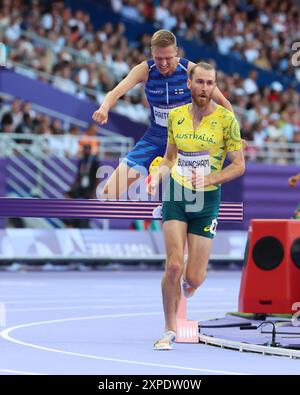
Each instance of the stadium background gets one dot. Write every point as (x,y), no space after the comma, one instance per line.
(57,314)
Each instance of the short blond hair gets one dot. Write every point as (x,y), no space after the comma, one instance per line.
(202,65)
(163,38)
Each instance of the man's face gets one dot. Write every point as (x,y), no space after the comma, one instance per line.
(165,59)
(202,86)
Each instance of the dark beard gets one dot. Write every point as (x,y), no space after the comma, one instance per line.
(201,102)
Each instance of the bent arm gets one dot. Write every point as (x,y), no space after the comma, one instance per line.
(235,169)
(167,162)
(220,99)
(138,74)
(164,168)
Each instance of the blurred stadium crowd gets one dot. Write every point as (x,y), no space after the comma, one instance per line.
(258,31)
(68,51)
(19,118)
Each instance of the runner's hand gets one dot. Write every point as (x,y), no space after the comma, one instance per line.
(199,181)
(152,186)
(101,115)
(293,181)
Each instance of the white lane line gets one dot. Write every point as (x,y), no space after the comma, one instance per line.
(19,283)
(90,307)
(6,335)
(111,300)
(21,372)
(78,299)
(101,293)
(58,308)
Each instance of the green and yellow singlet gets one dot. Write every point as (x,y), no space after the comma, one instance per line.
(203,149)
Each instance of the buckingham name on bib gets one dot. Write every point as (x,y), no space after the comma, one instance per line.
(189,162)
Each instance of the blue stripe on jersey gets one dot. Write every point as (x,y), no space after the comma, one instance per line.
(166,92)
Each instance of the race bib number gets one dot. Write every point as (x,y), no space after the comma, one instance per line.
(212,228)
(161,116)
(189,162)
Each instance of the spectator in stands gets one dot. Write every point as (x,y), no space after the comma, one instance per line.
(43,125)
(55,139)
(56,127)
(27,109)
(7,123)
(15,112)
(63,79)
(250,85)
(89,137)
(25,127)
(71,142)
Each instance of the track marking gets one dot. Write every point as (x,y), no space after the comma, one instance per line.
(21,372)
(72,300)
(5,334)
(117,306)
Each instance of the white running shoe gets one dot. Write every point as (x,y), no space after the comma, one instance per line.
(156,213)
(165,343)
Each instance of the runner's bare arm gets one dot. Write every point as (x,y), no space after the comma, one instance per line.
(235,169)
(164,168)
(168,160)
(138,74)
(220,99)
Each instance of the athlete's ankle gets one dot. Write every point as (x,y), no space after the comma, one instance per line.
(170,331)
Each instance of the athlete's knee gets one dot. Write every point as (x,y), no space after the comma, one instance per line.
(174,266)
(196,280)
